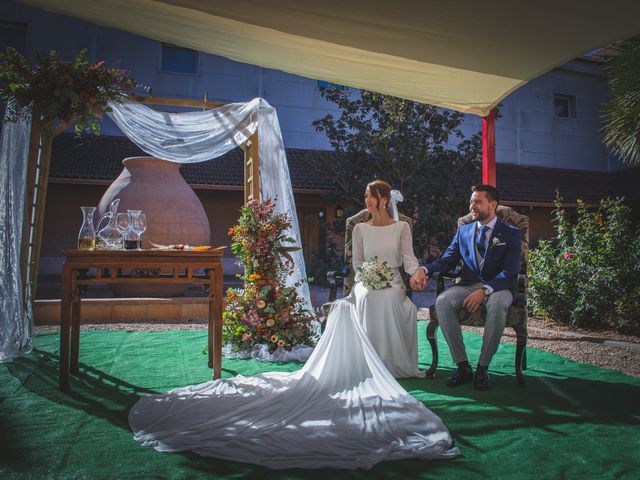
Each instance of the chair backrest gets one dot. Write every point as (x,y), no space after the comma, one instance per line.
(361,216)
(509,216)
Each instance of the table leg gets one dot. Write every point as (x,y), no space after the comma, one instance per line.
(211,318)
(215,320)
(65,318)
(75,323)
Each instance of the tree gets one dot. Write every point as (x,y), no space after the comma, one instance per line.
(406,144)
(622,111)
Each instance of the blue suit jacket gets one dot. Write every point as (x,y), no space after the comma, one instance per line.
(502,260)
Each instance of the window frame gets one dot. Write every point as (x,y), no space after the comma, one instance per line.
(572,105)
(326,84)
(161,47)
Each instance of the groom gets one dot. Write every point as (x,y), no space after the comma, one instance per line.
(490,253)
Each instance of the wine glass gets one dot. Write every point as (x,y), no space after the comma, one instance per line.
(139,225)
(123,222)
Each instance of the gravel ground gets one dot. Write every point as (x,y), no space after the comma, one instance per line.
(605,349)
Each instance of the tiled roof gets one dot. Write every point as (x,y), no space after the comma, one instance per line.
(100,158)
(539,185)
(627,184)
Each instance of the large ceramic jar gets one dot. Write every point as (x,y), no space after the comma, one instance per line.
(174,212)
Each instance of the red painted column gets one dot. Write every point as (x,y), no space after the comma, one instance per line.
(489,148)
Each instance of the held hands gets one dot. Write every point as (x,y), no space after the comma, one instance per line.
(419,280)
(474,300)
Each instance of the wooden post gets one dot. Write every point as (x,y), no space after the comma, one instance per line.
(35,197)
(39,162)
(39,208)
(251,169)
(27,214)
(489,148)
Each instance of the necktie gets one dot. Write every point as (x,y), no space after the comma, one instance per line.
(481,240)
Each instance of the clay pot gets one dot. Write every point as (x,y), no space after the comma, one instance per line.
(174,212)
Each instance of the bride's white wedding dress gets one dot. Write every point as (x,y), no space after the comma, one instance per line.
(387,316)
(342,409)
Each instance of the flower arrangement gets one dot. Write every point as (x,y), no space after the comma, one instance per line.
(265,311)
(375,274)
(73,91)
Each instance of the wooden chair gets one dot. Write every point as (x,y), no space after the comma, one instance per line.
(346,275)
(517,314)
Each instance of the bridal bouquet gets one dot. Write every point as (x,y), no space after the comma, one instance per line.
(375,275)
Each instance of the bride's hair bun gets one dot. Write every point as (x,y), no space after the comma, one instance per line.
(380,189)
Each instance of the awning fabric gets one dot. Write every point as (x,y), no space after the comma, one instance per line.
(466,55)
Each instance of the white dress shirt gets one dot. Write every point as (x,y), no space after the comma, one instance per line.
(487,234)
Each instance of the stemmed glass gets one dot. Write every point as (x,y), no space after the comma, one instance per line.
(123,221)
(139,225)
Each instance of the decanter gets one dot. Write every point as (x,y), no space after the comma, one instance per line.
(110,237)
(87,234)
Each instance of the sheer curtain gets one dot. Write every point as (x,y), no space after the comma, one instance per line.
(190,137)
(15,314)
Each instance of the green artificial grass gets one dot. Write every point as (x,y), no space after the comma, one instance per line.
(571,421)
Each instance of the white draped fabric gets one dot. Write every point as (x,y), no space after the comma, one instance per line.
(343,409)
(190,137)
(15,314)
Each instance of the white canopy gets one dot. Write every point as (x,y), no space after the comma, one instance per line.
(466,55)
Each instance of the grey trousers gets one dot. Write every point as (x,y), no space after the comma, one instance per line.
(450,301)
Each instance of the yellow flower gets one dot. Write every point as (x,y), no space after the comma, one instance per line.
(261,304)
(274,339)
(254,276)
(271,322)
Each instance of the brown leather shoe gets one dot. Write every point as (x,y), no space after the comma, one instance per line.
(463,374)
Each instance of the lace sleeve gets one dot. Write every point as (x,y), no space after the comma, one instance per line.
(357,257)
(406,248)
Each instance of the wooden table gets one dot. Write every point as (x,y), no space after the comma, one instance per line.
(89,267)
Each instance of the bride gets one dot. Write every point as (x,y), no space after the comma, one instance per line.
(343,408)
(386,315)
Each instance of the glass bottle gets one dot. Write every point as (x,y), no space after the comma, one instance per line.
(87,234)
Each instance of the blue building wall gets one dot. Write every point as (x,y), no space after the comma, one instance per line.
(527,132)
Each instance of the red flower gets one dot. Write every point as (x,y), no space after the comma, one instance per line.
(568,256)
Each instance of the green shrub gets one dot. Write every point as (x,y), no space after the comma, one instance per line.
(589,275)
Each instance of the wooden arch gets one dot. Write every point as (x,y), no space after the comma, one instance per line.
(39,161)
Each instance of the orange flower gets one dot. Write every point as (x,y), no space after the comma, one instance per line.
(271,322)
(281,343)
(230,231)
(274,339)
(254,276)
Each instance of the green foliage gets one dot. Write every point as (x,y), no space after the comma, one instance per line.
(405,144)
(265,311)
(622,111)
(75,91)
(589,276)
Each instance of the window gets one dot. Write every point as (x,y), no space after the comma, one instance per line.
(330,86)
(178,60)
(564,106)
(13,34)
